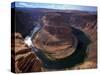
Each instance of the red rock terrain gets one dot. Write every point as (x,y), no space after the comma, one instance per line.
(23,58)
(90,28)
(85,22)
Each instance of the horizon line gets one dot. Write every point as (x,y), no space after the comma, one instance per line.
(53,6)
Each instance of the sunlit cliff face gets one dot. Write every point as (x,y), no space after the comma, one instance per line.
(55,38)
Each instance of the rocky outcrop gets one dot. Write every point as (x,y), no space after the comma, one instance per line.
(55,38)
(23,58)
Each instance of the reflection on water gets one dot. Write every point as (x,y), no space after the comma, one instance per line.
(77,57)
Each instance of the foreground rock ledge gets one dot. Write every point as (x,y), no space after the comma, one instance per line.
(23,58)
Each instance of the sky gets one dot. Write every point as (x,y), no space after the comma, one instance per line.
(55,6)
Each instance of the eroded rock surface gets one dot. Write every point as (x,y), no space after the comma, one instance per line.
(23,58)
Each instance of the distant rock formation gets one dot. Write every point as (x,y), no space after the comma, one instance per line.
(55,38)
